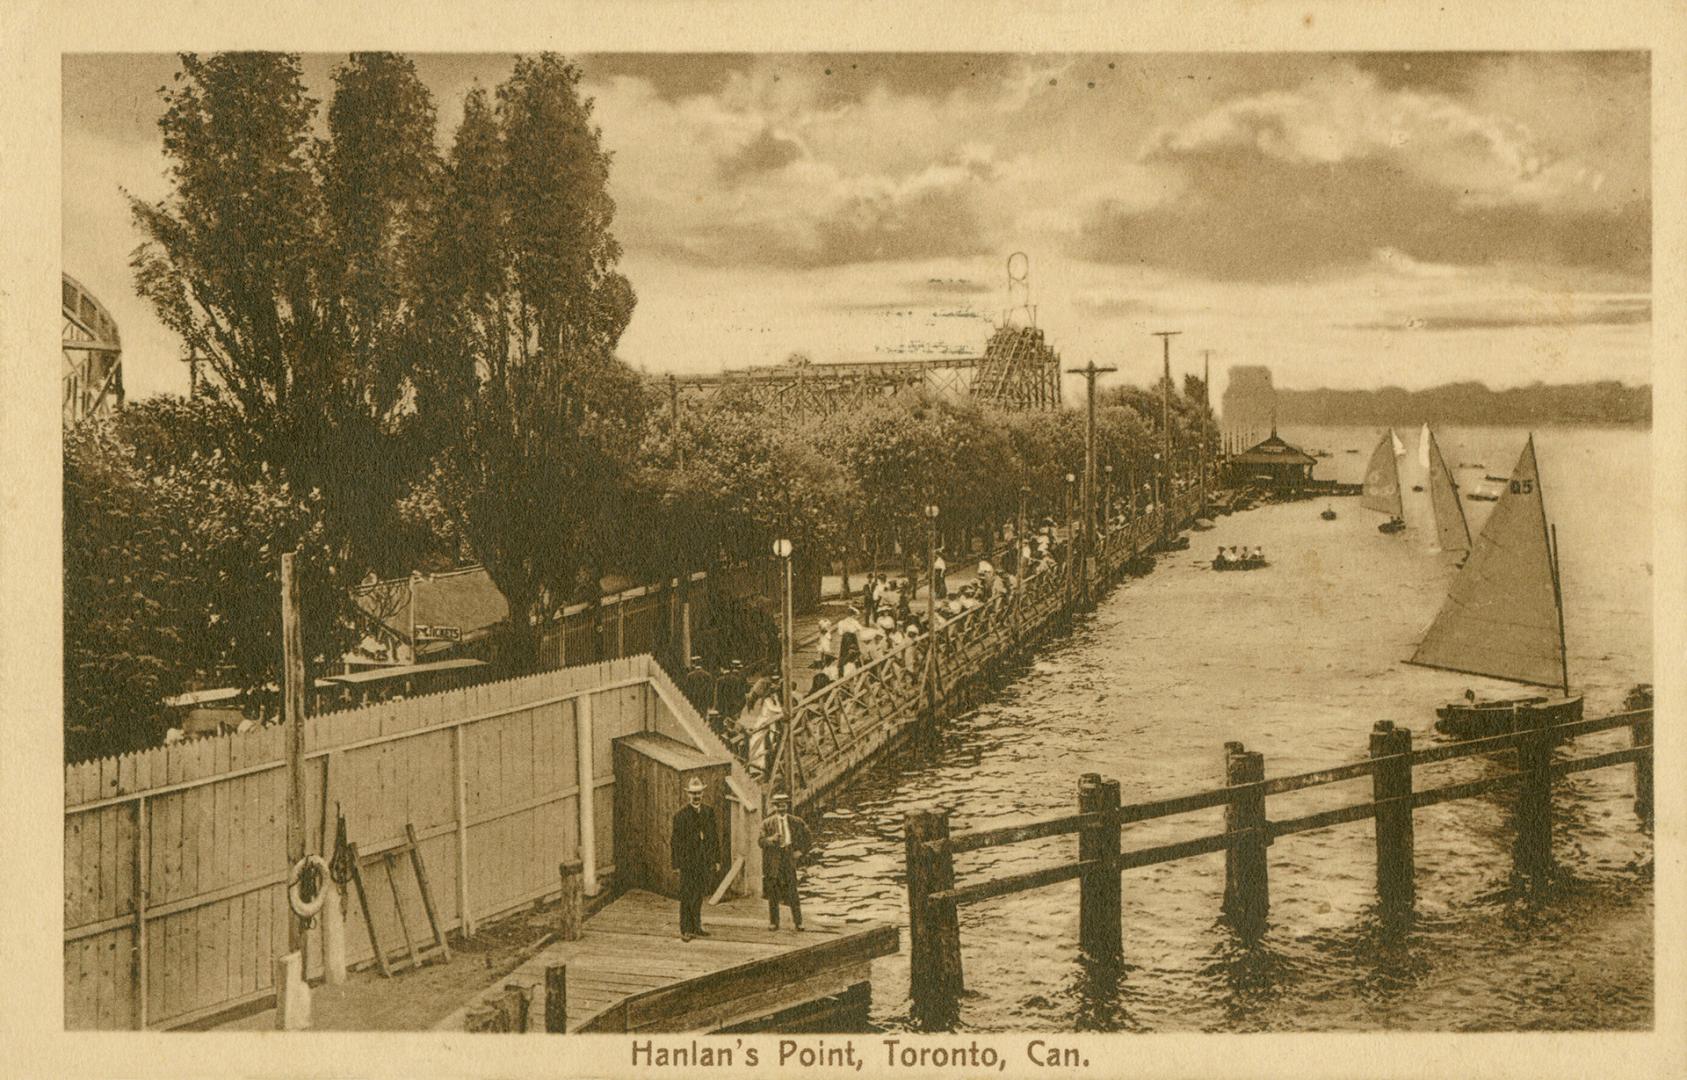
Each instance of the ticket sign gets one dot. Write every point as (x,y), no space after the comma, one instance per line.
(439,633)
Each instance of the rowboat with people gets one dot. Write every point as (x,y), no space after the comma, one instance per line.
(1239,558)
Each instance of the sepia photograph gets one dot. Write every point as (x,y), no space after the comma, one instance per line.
(696,545)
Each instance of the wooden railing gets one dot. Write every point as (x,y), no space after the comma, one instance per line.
(930,850)
(844,723)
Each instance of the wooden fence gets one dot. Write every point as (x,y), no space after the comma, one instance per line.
(845,724)
(933,896)
(661,620)
(175,858)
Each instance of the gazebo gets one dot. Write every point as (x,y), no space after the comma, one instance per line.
(1273,463)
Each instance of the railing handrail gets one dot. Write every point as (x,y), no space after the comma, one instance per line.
(1066,871)
(1200,800)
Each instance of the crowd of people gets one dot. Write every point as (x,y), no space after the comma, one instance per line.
(886,615)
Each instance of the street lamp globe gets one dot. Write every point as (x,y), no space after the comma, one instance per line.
(782,548)
(931,511)
(1070,478)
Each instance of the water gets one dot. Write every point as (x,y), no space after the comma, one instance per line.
(1297,661)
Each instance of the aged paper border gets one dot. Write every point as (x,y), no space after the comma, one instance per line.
(34,33)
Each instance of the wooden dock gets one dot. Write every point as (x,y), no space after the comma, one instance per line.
(629,971)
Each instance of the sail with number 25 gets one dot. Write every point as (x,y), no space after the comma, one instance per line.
(1504,613)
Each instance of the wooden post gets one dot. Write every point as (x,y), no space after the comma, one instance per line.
(514,1004)
(585,776)
(571,919)
(1532,860)
(293,717)
(556,999)
(1392,780)
(1640,734)
(1099,932)
(1247,896)
(140,877)
(459,780)
(934,971)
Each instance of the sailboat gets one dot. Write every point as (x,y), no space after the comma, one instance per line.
(1504,615)
(1382,484)
(1452,532)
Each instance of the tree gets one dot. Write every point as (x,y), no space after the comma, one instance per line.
(284,264)
(535,417)
(171,572)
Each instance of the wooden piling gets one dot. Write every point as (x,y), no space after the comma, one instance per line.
(556,999)
(1640,734)
(1532,855)
(934,961)
(1247,897)
(571,918)
(1391,787)
(1099,931)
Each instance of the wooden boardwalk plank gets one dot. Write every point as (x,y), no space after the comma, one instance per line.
(632,948)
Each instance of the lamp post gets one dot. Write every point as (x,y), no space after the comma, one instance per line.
(931,606)
(1019,532)
(782,549)
(1066,510)
(1107,497)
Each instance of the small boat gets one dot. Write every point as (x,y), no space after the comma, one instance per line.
(1201,525)
(1504,617)
(1350,451)
(1248,562)
(1472,465)
(1477,718)
(1176,543)
(1639,696)
(1417,487)
(1381,490)
(1482,496)
(1329,513)
(1491,478)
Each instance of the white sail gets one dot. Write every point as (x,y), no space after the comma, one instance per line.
(1501,616)
(1399,447)
(1382,480)
(1451,530)
(1423,447)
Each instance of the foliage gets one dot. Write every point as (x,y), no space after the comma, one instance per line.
(535,417)
(283,263)
(171,576)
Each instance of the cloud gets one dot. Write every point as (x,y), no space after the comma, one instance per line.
(1627,314)
(1290,184)
(767,152)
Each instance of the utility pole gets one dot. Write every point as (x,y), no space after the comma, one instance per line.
(292,992)
(1165,337)
(673,423)
(1089,372)
(1206,410)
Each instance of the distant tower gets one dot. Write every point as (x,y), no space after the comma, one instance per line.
(1019,369)
(93,356)
(1250,401)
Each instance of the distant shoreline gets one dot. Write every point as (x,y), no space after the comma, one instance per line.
(1606,403)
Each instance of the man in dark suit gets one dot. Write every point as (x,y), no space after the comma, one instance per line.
(784,838)
(695,853)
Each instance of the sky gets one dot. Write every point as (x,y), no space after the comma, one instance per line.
(1348,220)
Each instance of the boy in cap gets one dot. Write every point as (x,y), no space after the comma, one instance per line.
(784,837)
(695,853)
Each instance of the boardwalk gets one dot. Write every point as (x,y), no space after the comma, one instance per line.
(630,972)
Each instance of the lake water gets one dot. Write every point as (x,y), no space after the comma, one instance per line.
(1296,661)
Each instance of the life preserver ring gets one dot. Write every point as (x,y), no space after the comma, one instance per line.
(307,887)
